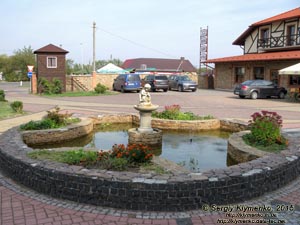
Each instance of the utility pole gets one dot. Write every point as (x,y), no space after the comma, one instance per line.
(94,46)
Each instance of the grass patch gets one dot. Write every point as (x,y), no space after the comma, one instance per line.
(47,155)
(274,148)
(80,94)
(6,111)
(94,159)
(155,168)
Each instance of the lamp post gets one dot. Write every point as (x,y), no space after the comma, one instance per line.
(81,44)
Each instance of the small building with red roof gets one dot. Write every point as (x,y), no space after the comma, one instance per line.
(269,45)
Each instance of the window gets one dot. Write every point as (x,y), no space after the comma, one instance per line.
(291,34)
(51,62)
(239,72)
(264,37)
(258,73)
(294,80)
(298,37)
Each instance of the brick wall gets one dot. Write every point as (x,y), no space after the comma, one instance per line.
(127,190)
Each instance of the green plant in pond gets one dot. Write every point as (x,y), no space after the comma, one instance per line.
(265,130)
(173,112)
(17,106)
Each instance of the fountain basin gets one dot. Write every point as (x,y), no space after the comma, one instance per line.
(152,138)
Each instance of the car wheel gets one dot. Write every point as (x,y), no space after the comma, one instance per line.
(165,90)
(254,95)
(194,90)
(122,89)
(242,96)
(281,95)
(180,88)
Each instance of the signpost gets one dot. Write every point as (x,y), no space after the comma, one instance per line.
(29,74)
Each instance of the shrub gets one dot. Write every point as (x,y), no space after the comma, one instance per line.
(17,106)
(265,128)
(50,87)
(100,89)
(53,119)
(39,125)
(58,118)
(2,96)
(134,153)
(173,112)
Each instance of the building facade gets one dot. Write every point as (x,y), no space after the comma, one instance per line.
(269,45)
(51,63)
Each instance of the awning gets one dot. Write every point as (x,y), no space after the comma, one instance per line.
(291,70)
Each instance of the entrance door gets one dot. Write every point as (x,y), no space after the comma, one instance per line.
(210,80)
(274,76)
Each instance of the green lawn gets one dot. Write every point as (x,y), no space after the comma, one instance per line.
(6,111)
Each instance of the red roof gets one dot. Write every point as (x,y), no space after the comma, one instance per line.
(270,56)
(160,64)
(294,13)
(50,49)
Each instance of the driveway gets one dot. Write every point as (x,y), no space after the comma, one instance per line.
(220,104)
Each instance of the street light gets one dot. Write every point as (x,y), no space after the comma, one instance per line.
(81,44)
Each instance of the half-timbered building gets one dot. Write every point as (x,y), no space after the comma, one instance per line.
(269,45)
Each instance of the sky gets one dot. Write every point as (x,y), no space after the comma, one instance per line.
(128,29)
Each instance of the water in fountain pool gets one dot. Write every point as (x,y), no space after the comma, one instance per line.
(196,151)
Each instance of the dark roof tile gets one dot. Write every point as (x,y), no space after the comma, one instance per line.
(159,64)
(50,49)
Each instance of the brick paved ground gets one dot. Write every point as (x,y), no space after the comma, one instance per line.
(19,205)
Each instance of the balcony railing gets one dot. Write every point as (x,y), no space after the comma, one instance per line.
(279,42)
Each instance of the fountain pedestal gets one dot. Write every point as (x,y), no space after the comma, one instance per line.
(145,117)
(145,134)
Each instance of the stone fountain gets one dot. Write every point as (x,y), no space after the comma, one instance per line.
(145,134)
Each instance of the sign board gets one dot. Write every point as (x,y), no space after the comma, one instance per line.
(29,74)
(30,68)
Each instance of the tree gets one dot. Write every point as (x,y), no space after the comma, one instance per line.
(19,62)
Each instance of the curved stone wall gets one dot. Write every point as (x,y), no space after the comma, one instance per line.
(33,137)
(175,191)
(239,151)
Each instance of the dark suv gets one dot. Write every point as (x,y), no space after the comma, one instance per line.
(127,82)
(259,89)
(156,82)
(182,83)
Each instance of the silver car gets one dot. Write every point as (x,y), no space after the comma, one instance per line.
(182,83)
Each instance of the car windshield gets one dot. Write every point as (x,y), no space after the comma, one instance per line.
(184,78)
(133,78)
(161,78)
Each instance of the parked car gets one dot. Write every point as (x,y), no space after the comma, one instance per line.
(157,82)
(127,82)
(182,83)
(259,89)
